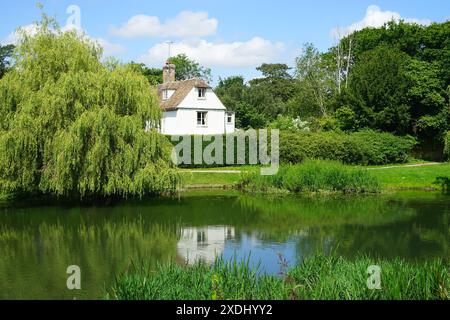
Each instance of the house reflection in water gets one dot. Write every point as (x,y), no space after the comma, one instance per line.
(203,244)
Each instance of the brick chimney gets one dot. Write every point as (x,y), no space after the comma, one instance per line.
(168,72)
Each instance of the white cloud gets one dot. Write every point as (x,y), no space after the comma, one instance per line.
(15,36)
(109,49)
(31,29)
(376,18)
(185,24)
(218,54)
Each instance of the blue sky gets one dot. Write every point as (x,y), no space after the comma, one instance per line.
(231,37)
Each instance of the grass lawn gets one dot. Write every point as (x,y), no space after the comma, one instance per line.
(190,179)
(393,178)
(212,176)
(412,177)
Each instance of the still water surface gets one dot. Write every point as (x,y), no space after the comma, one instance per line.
(39,242)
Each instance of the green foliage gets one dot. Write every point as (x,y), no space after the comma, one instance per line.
(315,84)
(276,80)
(186,68)
(248,117)
(299,143)
(313,176)
(231,92)
(245,101)
(365,147)
(6,53)
(347,119)
(379,84)
(262,99)
(206,141)
(71,125)
(447,146)
(287,123)
(318,277)
(382,147)
(394,78)
(153,75)
(398,78)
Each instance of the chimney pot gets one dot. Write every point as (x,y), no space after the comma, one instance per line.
(168,72)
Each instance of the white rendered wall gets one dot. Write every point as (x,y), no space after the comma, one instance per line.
(184,120)
(230,127)
(168,121)
(191,101)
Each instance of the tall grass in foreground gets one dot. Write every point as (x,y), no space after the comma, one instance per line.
(313,176)
(318,277)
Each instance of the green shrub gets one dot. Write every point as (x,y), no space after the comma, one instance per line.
(313,176)
(347,118)
(363,148)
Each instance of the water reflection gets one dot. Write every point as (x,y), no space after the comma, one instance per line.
(203,244)
(38,243)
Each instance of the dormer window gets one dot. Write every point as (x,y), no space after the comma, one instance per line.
(202,93)
(165,94)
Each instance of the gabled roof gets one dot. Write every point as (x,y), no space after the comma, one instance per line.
(182,88)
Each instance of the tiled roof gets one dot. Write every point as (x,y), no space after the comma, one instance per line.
(182,88)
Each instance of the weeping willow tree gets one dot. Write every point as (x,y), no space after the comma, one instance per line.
(72,125)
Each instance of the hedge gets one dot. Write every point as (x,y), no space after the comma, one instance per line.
(361,148)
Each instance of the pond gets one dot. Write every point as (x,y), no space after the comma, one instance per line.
(39,242)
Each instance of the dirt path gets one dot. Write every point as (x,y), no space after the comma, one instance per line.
(409,166)
(212,171)
(378,168)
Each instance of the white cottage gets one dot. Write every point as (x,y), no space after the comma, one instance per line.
(191,107)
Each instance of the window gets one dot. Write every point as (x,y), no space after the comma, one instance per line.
(165,94)
(229,118)
(201,236)
(201,118)
(201,93)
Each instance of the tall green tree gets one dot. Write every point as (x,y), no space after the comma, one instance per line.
(236,95)
(186,68)
(411,90)
(69,125)
(231,91)
(153,75)
(316,82)
(275,79)
(379,84)
(428,99)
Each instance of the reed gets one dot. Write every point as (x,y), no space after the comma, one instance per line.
(313,176)
(317,277)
